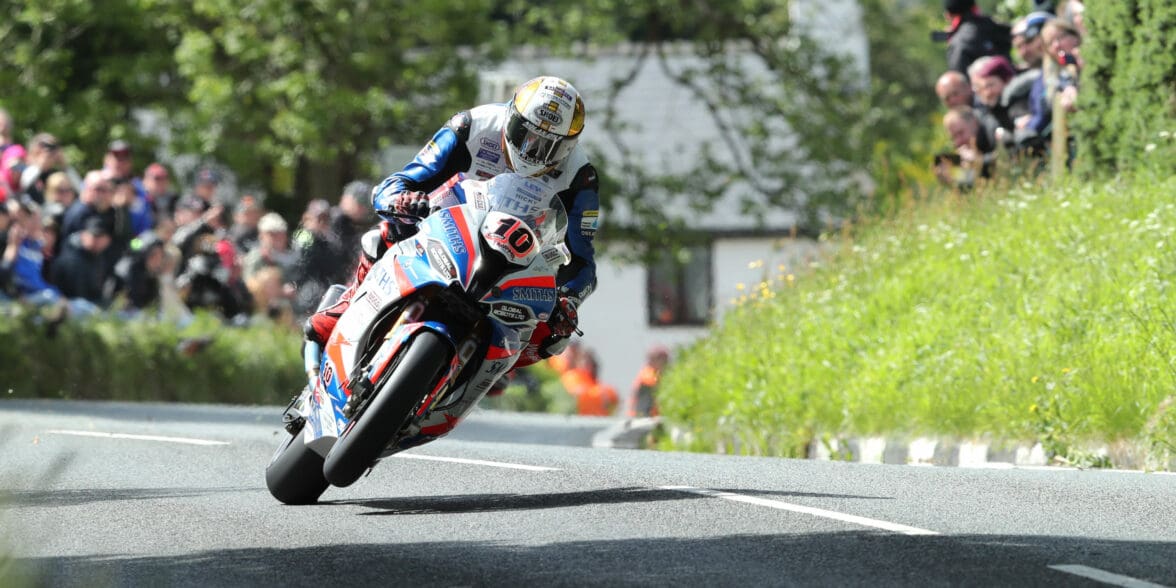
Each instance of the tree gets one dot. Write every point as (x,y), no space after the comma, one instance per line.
(78,68)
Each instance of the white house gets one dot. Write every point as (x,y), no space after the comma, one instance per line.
(637,307)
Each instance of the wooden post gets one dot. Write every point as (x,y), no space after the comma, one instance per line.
(1059,152)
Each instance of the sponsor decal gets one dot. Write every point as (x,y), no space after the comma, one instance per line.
(590,220)
(510,313)
(497,367)
(384,281)
(489,143)
(429,155)
(529,294)
(488,155)
(484,174)
(548,114)
(449,225)
(559,91)
(372,299)
(439,259)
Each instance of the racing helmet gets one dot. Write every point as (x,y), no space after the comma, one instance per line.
(544,121)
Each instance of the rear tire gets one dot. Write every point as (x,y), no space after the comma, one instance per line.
(413,377)
(295,475)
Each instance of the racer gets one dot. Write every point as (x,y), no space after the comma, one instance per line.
(535,134)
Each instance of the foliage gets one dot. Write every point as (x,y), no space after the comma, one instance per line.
(140,360)
(1127,106)
(534,389)
(77,68)
(955,318)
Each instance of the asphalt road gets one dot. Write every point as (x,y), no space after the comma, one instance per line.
(152,495)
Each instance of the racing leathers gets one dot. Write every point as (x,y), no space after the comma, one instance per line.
(471,144)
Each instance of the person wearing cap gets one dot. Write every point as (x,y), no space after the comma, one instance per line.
(972,35)
(990,75)
(1027,38)
(273,248)
(134,284)
(205,184)
(119,167)
(80,271)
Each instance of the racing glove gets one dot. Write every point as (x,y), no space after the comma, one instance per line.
(564,318)
(410,204)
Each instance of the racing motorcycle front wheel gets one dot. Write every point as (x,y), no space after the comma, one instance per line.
(413,377)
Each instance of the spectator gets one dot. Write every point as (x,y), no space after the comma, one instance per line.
(643,399)
(319,255)
(972,35)
(989,77)
(12,164)
(1059,78)
(205,186)
(204,284)
(1073,13)
(59,196)
(188,210)
(94,200)
(974,149)
(119,166)
(273,249)
(350,220)
(272,296)
(245,218)
(44,157)
(593,398)
(79,271)
(954,90)
(134,284)
(1027,39)
(156,184)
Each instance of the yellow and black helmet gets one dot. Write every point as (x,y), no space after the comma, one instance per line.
(545,119)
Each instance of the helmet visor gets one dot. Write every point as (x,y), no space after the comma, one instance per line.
(535,145)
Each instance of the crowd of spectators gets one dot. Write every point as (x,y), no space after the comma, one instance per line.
(1002,85)
(125,241)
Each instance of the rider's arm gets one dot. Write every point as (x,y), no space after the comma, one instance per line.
(582,200)
(445,155)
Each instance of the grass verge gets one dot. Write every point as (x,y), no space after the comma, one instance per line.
(1036,314)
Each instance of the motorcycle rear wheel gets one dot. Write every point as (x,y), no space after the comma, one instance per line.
(295,474)
(412,378)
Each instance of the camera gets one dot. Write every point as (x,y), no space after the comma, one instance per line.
(939,36)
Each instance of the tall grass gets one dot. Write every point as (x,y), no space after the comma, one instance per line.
(1037,313)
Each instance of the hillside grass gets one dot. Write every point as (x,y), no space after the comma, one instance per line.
(1037,313)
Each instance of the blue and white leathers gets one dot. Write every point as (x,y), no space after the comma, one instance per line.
(471,143)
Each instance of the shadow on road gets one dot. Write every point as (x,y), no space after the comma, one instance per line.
(75,497)
(469,503)
(838,559)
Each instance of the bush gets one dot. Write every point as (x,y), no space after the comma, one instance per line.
(1128,97)
(139,360)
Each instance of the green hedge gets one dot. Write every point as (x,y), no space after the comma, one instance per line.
(1127,102)
(140,360)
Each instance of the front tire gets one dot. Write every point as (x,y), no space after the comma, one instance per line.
(295,474)
(413,377)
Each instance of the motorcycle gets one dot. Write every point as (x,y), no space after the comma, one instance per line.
(439,318)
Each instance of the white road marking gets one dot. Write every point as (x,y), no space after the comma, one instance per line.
(819,512)
(1104,576)
(184,440)
(493,464)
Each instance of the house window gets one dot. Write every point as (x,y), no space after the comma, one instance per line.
(679,287)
